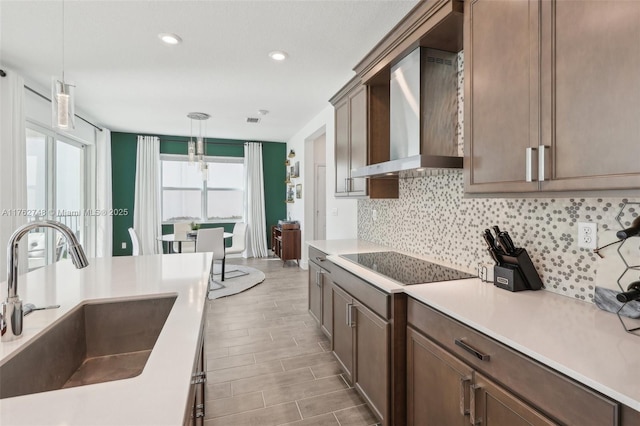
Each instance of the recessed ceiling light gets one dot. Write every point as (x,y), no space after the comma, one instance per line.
(278,55)
(169,38)
(263,111)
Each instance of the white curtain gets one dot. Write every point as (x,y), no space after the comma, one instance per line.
(254,201)
(146,207)
(104,223)
(13,161)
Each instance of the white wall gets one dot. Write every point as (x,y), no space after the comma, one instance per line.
(342,214)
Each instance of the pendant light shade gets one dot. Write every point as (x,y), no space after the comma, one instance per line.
(191,150)
(63,105)
(198,149)
(62,96)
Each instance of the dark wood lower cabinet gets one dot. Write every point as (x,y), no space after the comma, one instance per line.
(492,405)
(506,387)
(320,284)
(342,341)
(315,292)
(371,353)
(442,390)
(437,384)
(364,330)
(195,412)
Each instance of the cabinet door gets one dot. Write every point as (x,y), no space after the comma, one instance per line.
(591,93)
(358,140)
(342,343)
(327,306)
(315,292)
(501,93)
(371,369)
(341,154)
(492,405)
(437,384)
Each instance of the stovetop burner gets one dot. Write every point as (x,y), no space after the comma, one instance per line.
(407,270)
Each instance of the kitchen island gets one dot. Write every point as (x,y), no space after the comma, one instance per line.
(569,336)
(159,395)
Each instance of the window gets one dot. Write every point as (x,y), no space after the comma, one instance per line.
(187,197)
(56,177)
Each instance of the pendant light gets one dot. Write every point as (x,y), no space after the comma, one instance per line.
(62,96)
(198,149)
(191,145)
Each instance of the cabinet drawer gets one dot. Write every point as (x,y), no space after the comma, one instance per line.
(556,395)
(319,258)
(376,300)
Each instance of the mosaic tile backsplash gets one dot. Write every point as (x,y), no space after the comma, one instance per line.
(432,218)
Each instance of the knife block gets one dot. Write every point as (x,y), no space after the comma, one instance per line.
(516,272)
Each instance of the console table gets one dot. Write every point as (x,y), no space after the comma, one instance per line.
(285,242)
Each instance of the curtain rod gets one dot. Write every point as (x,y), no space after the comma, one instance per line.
(49,100)
(211,142)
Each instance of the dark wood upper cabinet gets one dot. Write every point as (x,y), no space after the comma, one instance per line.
(361,138)
(501,93)
(591,94)
(552,109)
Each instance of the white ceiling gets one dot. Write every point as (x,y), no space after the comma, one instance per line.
(128,81)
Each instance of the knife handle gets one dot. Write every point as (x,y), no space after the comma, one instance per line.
(503,244)
(491,242)
(509,246)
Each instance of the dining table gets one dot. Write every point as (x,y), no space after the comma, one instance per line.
(190,237)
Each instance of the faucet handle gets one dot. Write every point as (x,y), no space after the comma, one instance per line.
(30,307)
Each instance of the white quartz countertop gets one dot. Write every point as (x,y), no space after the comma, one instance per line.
(571,336)
(158,396)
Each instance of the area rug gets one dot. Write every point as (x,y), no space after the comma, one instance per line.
(237,278)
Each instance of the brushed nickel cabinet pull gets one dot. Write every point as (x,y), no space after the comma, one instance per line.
(352,321)
(348,314)
(543,157)
(473,416)
(464,381)
(319,259)
(471,350)
(531,174)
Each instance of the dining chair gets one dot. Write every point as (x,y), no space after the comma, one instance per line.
(212,240)
(180,231)
(135,242)
(238,241)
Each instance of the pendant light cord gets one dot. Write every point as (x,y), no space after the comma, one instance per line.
(63,42)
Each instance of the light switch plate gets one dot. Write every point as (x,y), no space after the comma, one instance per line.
(124,245)
(587,235)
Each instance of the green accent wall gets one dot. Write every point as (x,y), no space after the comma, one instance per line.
(123,169)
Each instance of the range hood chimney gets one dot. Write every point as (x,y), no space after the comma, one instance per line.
(423,109)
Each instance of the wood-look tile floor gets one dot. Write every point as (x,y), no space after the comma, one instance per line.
(268,363)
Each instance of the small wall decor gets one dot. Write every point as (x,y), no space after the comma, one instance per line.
(299,190)
(290,194)
(287,163)
(296,170)
(287,178)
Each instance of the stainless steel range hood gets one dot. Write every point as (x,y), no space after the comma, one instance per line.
(423,109)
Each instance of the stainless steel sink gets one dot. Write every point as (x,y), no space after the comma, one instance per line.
(95,342)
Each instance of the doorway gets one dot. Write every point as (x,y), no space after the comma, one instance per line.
(320,203)
(320,187)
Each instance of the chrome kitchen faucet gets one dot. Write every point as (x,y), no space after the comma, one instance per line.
(12,311)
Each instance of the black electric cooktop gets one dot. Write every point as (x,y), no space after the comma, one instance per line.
(405,269)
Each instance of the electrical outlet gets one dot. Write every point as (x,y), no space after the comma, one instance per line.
(374,215)
(124,245)
(334,212)
(587,235)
